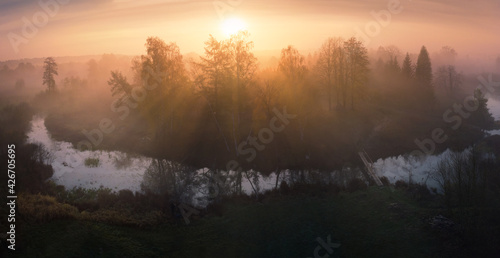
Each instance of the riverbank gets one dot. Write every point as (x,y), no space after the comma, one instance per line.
(362,223)
(71,171)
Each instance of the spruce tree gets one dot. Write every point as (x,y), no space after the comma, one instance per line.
(407,68)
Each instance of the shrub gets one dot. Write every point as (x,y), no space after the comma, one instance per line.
(43,208)
(105,197)
(284,188)
(53,189)
(420,192)
(400,184)
(356,184)
(125,217)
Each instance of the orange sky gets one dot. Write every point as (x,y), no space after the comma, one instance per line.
(82,27)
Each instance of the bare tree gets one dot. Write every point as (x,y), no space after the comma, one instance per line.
(448,79)
(460,178)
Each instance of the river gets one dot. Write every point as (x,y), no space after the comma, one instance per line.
(118,170)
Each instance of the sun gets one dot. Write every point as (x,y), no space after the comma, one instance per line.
(232,26)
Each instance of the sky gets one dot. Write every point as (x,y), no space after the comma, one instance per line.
(32,29)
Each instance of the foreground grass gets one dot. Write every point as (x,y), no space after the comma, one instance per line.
(365,223)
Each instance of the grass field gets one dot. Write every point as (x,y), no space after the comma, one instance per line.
(378,222)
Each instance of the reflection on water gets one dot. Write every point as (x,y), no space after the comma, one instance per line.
(420,170)
(123,160)
(494,107)
(118,170)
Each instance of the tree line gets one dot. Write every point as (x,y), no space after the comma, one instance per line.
(199,110)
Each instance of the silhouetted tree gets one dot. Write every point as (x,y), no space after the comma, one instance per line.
(50,67)
(74,82)
(357,68)
(407,69)
(119,85)
(393,66)
(423,74)
(448,55)
(163,75)
(292,64)
(388,52)
(216,70)
(244,66)
(448,79)
(423,70)
(482,117)
(329,67)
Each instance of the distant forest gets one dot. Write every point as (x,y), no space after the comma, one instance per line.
(225,108)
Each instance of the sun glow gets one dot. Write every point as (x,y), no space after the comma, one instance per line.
(232,26)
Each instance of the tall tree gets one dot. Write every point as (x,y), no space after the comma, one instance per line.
(357,69)
(448,79)
(216,70)
(50,69)
(161,76)
(292,64)
(423,71)
(119,85)
(213,76)
(423,74)
(244,66)
(162,66)
(298,95)
(393,66)
(407,69)
(482,116)
(329,66)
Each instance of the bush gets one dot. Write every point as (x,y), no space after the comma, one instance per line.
(53,189)
(420,192)
(356,184)
(106,198)
(400,184)
(385,181)
(284,188)
(43,208)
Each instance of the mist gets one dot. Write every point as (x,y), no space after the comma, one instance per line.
(250,128)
